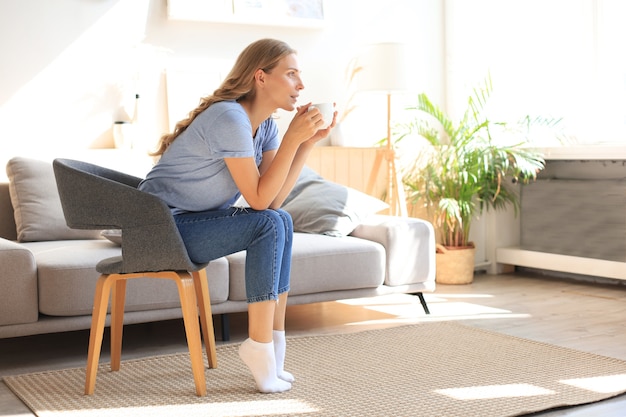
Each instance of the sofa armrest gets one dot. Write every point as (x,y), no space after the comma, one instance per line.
(18,280)
(410,248)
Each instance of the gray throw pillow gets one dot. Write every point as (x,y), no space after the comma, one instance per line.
(324,207)
(36,203)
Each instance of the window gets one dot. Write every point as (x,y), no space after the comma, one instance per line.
(552,58)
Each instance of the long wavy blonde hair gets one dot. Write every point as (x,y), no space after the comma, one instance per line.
(239,83)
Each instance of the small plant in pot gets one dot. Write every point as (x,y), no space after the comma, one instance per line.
(463,168)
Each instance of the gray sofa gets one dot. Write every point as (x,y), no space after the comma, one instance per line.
(47,271)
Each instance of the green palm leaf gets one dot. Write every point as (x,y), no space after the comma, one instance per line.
(463,170)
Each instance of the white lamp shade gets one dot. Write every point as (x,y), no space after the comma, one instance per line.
(385,67)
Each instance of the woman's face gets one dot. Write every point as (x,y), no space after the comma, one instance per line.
(283,83)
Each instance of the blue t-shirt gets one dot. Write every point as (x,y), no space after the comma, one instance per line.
(191,175)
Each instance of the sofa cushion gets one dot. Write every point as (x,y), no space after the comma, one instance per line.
(320,264)
(67,279)
(18,284)
(36,203)
(325,207)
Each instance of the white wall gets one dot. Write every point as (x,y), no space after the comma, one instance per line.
(71,67)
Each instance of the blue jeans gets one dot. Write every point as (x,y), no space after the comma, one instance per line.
(266,235)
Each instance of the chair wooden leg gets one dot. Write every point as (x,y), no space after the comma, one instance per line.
(206,317)
(194,294)
(101,302)
(189,306)
(117,322)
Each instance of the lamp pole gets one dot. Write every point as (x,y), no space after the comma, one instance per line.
(384,69)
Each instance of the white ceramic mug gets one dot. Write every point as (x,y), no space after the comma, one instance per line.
(327,110)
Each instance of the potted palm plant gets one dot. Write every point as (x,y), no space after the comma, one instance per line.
(463,168)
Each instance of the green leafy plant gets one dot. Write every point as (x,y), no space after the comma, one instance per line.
(468,165)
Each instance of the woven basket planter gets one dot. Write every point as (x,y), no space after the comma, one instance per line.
(455,265)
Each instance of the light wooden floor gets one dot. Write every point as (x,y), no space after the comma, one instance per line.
(584,316)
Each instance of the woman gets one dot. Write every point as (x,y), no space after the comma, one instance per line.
(229,147)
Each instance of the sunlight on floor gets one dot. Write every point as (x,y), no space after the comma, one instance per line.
(600,384)
(406,308)
(231,409)
(494,391)
(441,296)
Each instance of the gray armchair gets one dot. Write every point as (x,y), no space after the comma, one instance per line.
(95,197)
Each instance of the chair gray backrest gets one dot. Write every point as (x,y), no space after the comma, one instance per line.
(94,197)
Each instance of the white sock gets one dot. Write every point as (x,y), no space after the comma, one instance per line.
(259,357)
(280,346)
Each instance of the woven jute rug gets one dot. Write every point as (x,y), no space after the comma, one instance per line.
(432,369)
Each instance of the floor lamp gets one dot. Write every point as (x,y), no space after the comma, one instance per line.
(384,69)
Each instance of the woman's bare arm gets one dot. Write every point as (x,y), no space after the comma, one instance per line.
(269,185)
